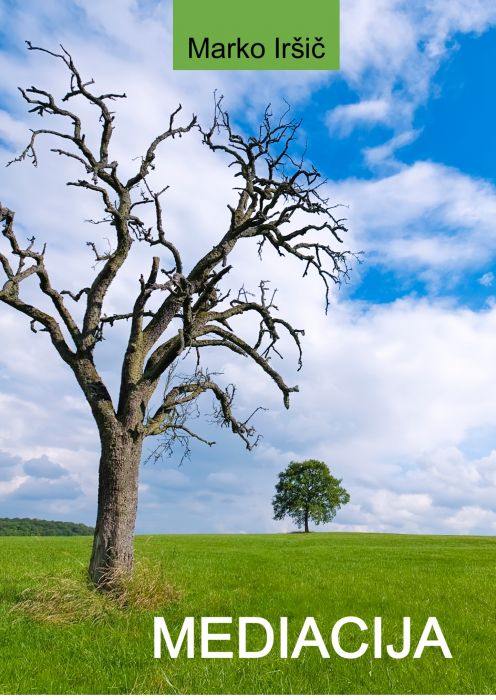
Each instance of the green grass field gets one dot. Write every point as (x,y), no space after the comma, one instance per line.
(327,576)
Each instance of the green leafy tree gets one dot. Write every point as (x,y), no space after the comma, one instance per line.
(308,491)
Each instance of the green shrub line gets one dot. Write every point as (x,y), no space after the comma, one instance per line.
(34,526)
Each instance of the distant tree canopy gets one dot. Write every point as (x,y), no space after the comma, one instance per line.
(33,526)
(308,491)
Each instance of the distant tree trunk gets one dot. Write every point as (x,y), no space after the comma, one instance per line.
(306,521)
(117,505)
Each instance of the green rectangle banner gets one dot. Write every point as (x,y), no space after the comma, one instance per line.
(256,35)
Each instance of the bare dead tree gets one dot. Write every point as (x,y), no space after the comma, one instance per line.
(190,310)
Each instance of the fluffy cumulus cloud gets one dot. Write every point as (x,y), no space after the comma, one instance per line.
(38,486)
(427,217)
(396,397)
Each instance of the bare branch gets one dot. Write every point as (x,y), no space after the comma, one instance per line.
(149,157)
(275,187)
(76,297)
(261,361)
(121,317)
(10,290)
(177,406)
(278,201)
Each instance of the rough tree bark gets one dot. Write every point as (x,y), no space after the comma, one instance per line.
(112,553)
(273,187)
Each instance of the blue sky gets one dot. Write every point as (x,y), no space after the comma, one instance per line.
(396,393)
(456,121)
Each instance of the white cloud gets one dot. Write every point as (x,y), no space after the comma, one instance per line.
(389,395)
(471,518)
(391,50)
(11,485)
(426,217)
(12,130)
(384,156)
(344,118)
(37,486)
(487,279)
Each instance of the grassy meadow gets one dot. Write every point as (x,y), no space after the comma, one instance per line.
(103,649)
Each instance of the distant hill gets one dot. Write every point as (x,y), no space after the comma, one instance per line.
(33,526)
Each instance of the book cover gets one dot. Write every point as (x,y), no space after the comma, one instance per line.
(248,329)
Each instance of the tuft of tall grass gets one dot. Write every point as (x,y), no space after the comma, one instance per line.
(70,597)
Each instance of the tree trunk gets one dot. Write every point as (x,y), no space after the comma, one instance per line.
(117,504)
(306,522)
